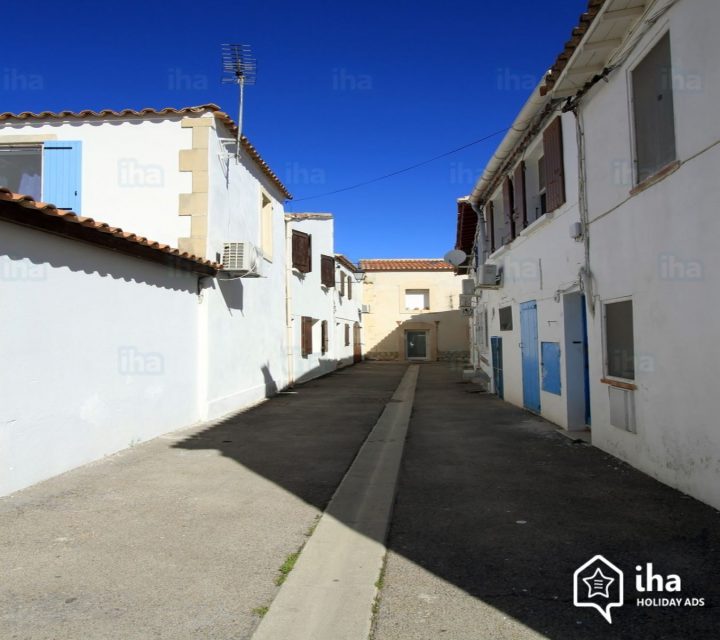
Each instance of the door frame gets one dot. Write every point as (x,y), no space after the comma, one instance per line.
(427,345)
(530,356)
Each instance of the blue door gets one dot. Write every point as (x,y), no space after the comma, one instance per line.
(530,360)
(61,174)
(496,346)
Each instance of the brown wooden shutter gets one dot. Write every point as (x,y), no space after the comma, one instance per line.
(324,336)
(342,283)
(349,283)
(301,251)
(490,215)
(327,271)
(554,167)
(507,190)
(519,197)
(306,336)
(347,335)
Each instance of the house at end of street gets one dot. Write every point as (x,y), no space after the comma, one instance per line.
(412,311)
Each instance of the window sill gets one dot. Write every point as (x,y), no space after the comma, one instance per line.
(656,177)
(536,224)
(628,386)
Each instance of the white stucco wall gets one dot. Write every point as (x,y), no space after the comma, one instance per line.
(659,247)
(541,264)
(245,319)
(347,312)
(99,352)
(130,169)
(309,298)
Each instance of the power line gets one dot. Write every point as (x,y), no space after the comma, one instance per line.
(406,169)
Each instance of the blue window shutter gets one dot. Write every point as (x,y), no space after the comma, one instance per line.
(62,174)
(550,365)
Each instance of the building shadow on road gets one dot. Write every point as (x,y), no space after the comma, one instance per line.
(491,499)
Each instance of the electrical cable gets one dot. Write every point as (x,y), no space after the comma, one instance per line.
(406,169)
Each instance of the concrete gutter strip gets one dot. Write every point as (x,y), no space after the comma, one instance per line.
(330,592)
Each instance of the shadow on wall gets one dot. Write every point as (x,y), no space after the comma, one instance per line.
(233,293)
(448,338)
(489,499)
(41,251)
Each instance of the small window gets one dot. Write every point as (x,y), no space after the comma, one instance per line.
(302,251)
(349,287)
(324,337)
(306,325)
(417,299)
(506,319)
(266,225)
(619,340)
(347,335)
(342,283)
(542,192)
(653,111)
(20,170)
(327,271)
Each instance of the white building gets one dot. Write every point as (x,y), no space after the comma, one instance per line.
(324,299)
(103,350)
(596,298)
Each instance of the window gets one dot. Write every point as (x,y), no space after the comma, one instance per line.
(619,341)
(349,287)
(553,167)
(20,170)
(50,172)
(507,193)
(302,251)
(347,335)
(306,325)
(327,271)
(342,283)
(266,227)
(505,316)
(541,209)
(653,111)
(490,223)
(417,299)
(519,197)
(324,337)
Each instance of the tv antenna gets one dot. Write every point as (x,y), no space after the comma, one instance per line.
(240,68)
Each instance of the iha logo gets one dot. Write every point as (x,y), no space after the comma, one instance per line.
(598,584)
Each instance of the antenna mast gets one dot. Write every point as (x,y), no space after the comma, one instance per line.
(241,68)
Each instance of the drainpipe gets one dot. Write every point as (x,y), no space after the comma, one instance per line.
(288,305)
(586,278)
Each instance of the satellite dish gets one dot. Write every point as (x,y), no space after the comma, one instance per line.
(455,257)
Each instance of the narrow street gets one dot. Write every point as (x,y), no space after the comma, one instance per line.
(183,537)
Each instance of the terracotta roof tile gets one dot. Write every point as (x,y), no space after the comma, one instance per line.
(343,260)
(123,113)
(586,19)
(97,229)
(405,264)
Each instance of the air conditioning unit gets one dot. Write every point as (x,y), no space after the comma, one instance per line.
(488,276)
(366,308)
(242,259)
(468,286)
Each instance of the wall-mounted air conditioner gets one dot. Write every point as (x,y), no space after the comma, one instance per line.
(468,286)
(242,259)
(488,276)
(366,308)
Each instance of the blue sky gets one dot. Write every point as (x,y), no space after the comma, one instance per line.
(346,91)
